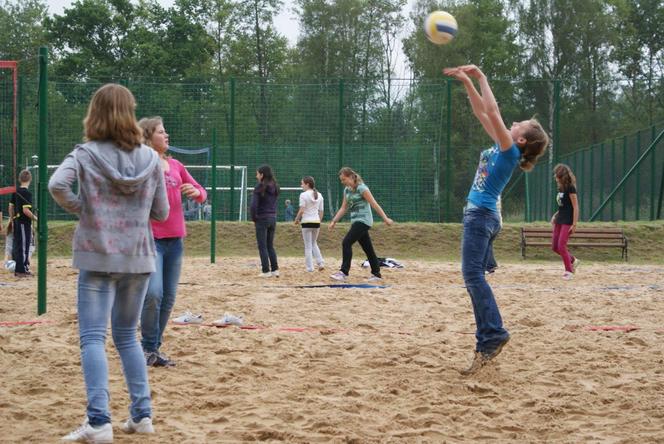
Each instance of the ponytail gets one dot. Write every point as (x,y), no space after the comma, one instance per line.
(312,184)
(536,143)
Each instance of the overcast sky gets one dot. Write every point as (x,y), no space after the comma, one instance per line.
(286,23)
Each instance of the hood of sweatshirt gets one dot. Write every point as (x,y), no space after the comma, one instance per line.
(128,170)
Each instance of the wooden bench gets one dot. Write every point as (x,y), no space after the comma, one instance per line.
(582,237)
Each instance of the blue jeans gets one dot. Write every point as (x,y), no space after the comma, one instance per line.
(265,229)
(160,298)
(480,228)
(120,297)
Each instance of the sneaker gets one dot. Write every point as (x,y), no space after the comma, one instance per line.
(575,264)
(275,273)
(228,319)
(498,349)
(321,267)
(27,274)
(265,275)
(162,361)
(568,275)
(339,276)
(374,278)
(150,358)
(479,361)
(95,435)
(189,318)
(143,426)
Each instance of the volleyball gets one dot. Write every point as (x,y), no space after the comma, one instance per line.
(10,265)
(440,27)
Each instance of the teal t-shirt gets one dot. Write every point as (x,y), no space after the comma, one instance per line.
(360,210)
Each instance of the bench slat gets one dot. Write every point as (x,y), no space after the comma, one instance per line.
(582,237)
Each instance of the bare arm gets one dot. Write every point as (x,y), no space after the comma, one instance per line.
(374,204)
(340,214)
(298,216)
(575,211)
(476,101)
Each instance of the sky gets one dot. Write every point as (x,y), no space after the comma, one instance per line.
(286,23)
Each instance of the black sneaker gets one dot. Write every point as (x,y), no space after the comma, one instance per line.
(162,361)
(150,358)
(497,350)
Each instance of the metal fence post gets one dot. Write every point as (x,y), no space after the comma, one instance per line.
(42,226)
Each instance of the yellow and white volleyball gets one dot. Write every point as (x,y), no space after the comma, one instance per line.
(10,265)
(440,27)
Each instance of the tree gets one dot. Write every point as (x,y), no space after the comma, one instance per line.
(21,31)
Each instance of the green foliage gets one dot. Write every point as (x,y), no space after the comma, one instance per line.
(21,32)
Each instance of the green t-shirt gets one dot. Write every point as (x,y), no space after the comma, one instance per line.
(360,210)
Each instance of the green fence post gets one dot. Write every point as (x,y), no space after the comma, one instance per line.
(653,173)
(624,191)
(661,193)
(42,226)
(231,143)
(583,182)
(528,218)
(637,195)
(19,138)
(341,132)
(448,152)
(213,201)
(601,172)
(613,177)
(592,177)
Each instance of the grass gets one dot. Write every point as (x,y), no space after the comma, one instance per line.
(423,241)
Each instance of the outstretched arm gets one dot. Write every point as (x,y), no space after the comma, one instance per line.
(502,135)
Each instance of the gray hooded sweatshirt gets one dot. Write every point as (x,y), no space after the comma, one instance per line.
(118,192)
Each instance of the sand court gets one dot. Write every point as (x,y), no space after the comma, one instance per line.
(357,364)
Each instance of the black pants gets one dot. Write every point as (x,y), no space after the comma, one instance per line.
(265,229)
(21,247)
(359,232)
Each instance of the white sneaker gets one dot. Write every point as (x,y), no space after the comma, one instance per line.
(339,276)
(189,318)
(143,426)
(275,273)
(374,278)
(265,275)
(95,435)
(228,319)
(568,276)
(575,264)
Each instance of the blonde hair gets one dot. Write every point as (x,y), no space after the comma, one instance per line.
(348,172)
(148,126)
(111,116)
(536,142)
(565,176)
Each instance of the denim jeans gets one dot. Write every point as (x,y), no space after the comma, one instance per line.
(160,298)
(359,232)
(265,229)
(120,297)
(480,228)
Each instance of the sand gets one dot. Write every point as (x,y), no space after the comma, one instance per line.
(358,365)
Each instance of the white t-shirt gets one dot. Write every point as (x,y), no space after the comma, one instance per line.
(311,206)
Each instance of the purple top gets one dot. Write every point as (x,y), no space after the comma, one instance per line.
(264,202)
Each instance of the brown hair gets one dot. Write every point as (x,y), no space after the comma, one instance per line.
(111,116)
(566,178)
(149,125)
(312,184)
(348,172)
(25,176)
(536,142)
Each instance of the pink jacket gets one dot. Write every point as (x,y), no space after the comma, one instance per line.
(174,226)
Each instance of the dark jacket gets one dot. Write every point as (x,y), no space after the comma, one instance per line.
(264,201)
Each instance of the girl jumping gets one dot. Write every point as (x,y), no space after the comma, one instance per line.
(521,145)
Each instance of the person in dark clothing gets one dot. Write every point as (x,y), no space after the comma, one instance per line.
(565,219)
(264,215)
(20,212)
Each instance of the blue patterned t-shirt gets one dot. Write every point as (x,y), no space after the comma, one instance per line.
(493,173)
